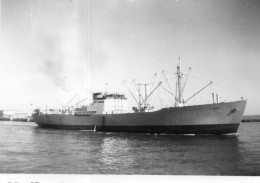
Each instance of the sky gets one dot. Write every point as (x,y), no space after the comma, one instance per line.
(53,51)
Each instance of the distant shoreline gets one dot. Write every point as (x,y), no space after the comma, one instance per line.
(251,118)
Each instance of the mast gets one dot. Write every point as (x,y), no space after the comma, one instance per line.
(139,102)
(179,90)
(145,103)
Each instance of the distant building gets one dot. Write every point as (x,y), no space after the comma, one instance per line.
(14,115)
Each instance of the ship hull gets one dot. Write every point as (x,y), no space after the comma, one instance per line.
(222,118)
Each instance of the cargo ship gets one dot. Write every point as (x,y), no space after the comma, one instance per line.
(108,113)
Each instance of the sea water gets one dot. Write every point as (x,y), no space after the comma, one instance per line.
(26,148)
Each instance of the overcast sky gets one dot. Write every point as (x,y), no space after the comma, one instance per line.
(53,50)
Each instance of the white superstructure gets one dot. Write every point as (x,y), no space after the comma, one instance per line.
(105,104)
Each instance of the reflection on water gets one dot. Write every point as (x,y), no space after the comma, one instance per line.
(28,149)
(116,153)
(151,154)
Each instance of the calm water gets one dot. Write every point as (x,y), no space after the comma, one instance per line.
(25,148)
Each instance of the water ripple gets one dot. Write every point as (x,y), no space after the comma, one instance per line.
(25,148)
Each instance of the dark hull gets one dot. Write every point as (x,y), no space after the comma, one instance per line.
(223,118)
(180,129)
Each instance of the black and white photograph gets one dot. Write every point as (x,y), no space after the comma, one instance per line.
(129,91)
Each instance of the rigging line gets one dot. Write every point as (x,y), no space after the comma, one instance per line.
(170,72)
(153,81)
(157,96)
(199,78)
(170,78)
(163,82)
(187,69)
(70,100)
(131,93)
(176,91)
(186,80)
(152,78)
(168,101)
(139,90)
(152,92)
(169,92)
(152,85)
(199,91)
(167,81)
(81,101)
